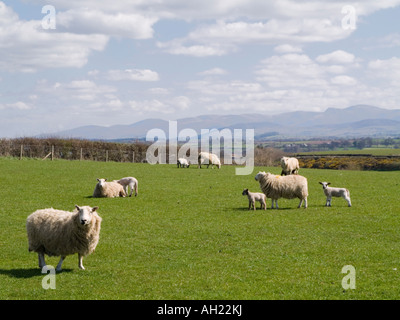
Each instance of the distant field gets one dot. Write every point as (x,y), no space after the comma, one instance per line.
(372,151)
(189,235)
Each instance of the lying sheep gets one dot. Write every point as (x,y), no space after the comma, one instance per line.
(62,233)
(289,166)
(130,182)
(208,158)
(255,196)
(289,187)
(335,192)
(183,163)
(106,189)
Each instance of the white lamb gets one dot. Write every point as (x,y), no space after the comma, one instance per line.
(255,196)
(106,189)
(62,233)
(289,166)
(208,158)
(130,182)
(183,163)
(289,187)
(335,192)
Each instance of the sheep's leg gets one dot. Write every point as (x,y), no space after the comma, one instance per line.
(254,205)
(131,187)
(301,202)
(348,201)
(249,204)
(42,263)
(58,268)
(80,258)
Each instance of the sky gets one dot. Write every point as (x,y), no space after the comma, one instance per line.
(70,63)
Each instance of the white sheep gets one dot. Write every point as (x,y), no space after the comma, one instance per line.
(208,158)
(106,189)
(255,196)
(335,192)
(130,182)
(289,187)
(62,233)
(289,166)
(183,163)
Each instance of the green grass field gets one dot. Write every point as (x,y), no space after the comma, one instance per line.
(189,235)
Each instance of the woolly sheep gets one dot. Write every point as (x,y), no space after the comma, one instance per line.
(106,189)
(255,196)
(62,233)
(335,192)
(289,166)
(130,182)
(183,163)
(208,158)
(289,187)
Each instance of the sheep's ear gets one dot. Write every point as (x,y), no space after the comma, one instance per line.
(320,183)
(328,183)
(98,179)
(105,179)
(94,209)
(76,206)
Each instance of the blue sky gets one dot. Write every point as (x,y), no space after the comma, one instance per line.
(123,61)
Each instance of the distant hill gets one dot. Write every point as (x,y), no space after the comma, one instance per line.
(352,122)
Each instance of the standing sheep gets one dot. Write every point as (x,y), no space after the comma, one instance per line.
(106,189)
(288,187)
(62,233)
(289,166)
(335,192)
(208,158)
(255,196)
(183,163)
(130,182)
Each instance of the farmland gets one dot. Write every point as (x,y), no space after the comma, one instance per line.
(189,235)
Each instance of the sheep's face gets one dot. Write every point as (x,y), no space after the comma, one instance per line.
(259,175)
(85,214)
(102,182)
(325,184)
(245,192)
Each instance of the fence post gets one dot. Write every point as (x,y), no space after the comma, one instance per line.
(52,153)
(81,155)
(21,152)
(106,155)
(133,156)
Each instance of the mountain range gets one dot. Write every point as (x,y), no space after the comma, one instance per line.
(352,122)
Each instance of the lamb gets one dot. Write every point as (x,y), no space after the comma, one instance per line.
(183,163)
(289,166)
(208,158)
(335,192)
(106,189)
(255,196)
(289,187)
(61,233)
(130,182)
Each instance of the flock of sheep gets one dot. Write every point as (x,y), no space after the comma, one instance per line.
(61,233)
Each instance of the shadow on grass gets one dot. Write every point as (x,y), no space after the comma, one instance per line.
(26,273)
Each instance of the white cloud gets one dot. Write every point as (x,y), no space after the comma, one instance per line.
(26,47)
(213,72)
(344,80)
(338,56)
(19,105)
(388,70)
(133,75)
(287,48)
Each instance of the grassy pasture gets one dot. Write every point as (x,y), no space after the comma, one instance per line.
(189,235)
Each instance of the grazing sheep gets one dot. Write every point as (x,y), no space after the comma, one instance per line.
(208,158)
(335,192)
(183,163)
(106,189)
(289,166)
(255,196)
(130,182)
(289,187)
(62,233)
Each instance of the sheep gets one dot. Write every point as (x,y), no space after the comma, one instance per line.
(289,166)
(62,233)
(130,182)
(289,187)
(208,158)
(255,196)
(183,163)
(106,189)
(335,192)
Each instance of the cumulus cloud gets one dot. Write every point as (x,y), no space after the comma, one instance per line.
(132,75)
(338,56)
